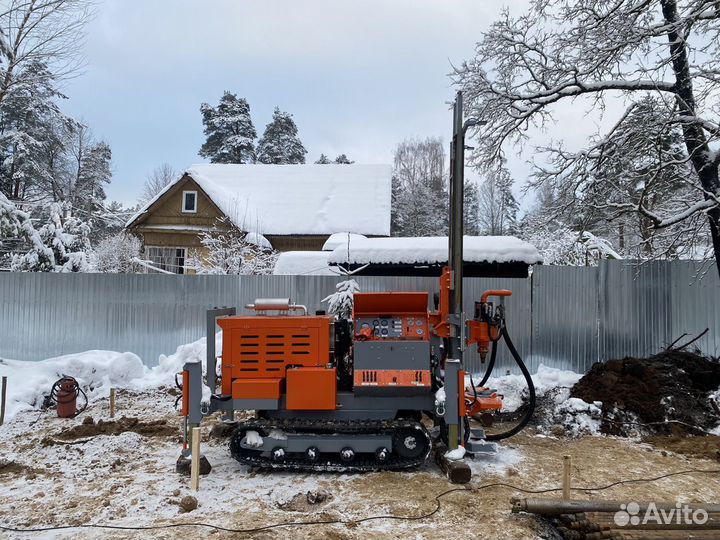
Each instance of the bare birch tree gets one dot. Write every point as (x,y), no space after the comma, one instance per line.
(157,181)
(48,32)
(526,68)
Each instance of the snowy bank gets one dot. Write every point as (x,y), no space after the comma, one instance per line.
(512,387)
(96,371)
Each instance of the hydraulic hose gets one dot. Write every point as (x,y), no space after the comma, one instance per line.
(531,389)
(488,370)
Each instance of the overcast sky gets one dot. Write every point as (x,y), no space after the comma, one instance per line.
(358,76)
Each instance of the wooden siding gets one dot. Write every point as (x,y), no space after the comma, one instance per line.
(168,210)
(297,243)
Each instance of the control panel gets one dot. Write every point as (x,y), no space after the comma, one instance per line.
(391,316)
(397,327)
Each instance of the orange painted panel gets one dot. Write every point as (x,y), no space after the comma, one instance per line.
(311,389)
(256,388)
(390,303)
(391,377)
(263,347)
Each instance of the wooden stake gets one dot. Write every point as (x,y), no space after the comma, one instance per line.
(195,463)
(112,403)
(567,464)
(2,400)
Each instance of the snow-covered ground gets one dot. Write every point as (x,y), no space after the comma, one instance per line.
(96,371)
(57,472)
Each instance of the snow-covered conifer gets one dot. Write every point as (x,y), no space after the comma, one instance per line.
(280,144)
(340,303)
(323,160)
(229,130)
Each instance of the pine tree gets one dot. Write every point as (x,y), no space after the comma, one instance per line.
(229,130)
(94,173)
(280,144)
(60,245)
(323,160)
(15,229)
(28,120)
(342,159)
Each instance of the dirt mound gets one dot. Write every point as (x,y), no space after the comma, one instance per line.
(89,428)
(670,386)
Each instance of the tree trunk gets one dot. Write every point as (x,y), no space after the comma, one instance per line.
(695,140)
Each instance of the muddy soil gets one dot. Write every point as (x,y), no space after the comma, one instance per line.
(672,385)
(705,447)
(90,428)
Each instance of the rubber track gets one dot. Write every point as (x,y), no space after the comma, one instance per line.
(394,463)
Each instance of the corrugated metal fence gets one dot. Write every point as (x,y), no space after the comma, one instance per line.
(566,317)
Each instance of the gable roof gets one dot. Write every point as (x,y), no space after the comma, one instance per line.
(296,199)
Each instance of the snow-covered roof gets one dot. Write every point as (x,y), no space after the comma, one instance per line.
(434,250)
(303,263)
(341,239)
(296,199)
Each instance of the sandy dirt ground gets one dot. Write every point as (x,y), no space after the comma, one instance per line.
(125,476)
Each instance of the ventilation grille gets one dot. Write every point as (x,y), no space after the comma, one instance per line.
(259,354)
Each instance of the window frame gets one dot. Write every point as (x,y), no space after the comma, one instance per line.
(185,210)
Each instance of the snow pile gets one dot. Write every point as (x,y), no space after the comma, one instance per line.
(577,417)
(342,239)
(514,387)
(253,438)
(303,263)
(434,250)
(296,199)
(555,406)
(96,372)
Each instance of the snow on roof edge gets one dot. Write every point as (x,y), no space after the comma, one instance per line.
(434,250)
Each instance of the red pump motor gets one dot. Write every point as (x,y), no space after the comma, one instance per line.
(65,393)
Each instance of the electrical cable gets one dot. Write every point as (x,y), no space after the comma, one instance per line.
(438,506)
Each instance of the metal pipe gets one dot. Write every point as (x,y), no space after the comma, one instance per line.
(555,507)
(455,262)
(276,304)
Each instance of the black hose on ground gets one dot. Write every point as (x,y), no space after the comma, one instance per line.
(531,389)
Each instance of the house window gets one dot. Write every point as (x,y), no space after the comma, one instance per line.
(189,202)
(167,258)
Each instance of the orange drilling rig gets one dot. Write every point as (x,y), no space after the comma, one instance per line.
(357,395)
